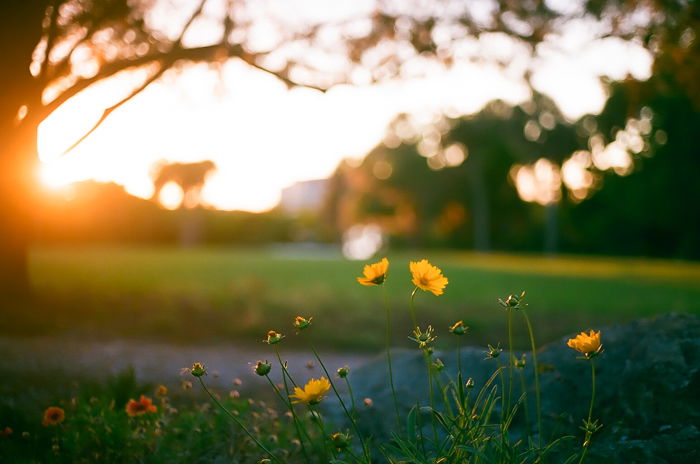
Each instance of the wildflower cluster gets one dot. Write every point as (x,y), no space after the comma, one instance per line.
(462,424)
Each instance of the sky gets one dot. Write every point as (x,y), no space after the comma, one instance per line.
(264,137)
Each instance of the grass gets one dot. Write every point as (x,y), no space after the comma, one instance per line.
(197,296)
(191,296)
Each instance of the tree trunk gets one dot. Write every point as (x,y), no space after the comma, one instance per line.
(481,216)
(20,31)
(551,228)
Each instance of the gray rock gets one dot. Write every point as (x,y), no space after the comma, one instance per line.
(648,390)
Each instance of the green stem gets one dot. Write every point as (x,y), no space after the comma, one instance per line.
(590,408)
(459,356)
(412,308)
(285,376)
(432,399)
(352,396)
(510,359)
(342,403)
(289,406)
(503,404)
(503,390)
(319,420)
(237,421)
(523,390)
(537,379)
(388,359)
(589,433)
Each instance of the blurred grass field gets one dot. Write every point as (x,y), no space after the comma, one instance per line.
(214,294)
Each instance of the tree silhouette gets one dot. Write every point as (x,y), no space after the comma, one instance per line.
(190,177)
(54,49)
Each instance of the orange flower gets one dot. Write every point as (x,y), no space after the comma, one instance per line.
(428,277)
(587,344)
(374,274)
(6,431)
(53,416)
(142,406)
(162,390)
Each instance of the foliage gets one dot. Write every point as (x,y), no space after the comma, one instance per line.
(469,425)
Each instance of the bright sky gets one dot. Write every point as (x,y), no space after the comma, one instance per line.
(264,137)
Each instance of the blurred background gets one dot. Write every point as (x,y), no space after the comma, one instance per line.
(193,172)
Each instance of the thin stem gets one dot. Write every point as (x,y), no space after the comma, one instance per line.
(503,389)
(237,421)
(388,359)
(590,408)
(503,404)
(412,308)
(510,359)
(523,390)
(342,403)
(352,397)
(589,432)
(289,406)
(537,379)
(459,356)
(432,399)
(285,374)
(295,419)
(319,420)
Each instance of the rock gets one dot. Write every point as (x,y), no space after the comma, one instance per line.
(648,390)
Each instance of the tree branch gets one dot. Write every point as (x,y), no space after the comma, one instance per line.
(164,67)
(250,60)
(51,33)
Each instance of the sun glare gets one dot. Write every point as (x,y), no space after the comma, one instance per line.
(53,178)
(171,196)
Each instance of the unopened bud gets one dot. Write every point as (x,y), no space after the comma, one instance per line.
(262,368)
(198,370)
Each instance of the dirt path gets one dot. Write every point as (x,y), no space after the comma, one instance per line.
(157,363)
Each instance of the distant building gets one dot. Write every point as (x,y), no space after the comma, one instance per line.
(304,196)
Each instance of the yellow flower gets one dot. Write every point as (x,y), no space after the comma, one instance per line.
(314,391)
(428,277)
(375,274)
(587,344)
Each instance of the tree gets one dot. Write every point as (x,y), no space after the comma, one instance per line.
(53,49)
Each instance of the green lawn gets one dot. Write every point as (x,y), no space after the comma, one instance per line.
(191,296)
